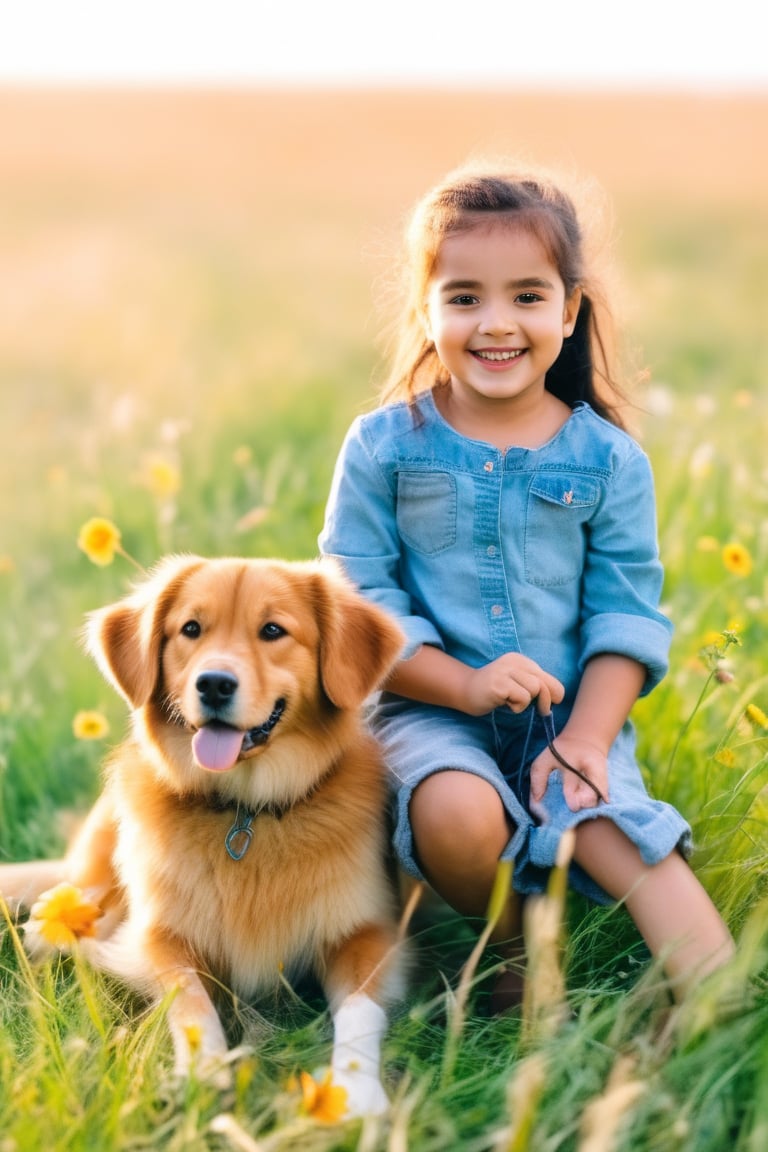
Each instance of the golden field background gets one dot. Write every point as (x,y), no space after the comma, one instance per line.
(196,256)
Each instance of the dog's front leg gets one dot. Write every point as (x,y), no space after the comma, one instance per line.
(198,1038)
(363,973)
(359,1024)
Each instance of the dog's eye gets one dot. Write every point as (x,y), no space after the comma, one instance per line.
(272,631)
(191,629)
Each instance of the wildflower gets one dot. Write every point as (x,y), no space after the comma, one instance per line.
(100,540)
(6,565)
(726,757)
(707,544)
(323,1100)
(736,559)
(161,477)
(756,716)
(63,915)
(242,456)
(90,726)
(194,1037)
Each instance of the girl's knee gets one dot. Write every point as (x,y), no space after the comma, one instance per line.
(461,812)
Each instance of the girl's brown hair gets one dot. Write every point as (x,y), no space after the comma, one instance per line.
(584,369)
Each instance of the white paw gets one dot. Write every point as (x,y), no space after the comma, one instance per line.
(365,1092)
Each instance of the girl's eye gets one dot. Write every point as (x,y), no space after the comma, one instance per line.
(528,298)
(464,300)
(191,629)
(272,631)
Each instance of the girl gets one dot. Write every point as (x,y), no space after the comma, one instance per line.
(497,508)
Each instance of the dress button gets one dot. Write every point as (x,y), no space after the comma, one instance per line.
(496,610)
(490,550)
(488,465)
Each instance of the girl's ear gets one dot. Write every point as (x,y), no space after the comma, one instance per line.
(571,311)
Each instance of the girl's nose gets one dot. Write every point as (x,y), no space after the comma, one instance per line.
(497,319)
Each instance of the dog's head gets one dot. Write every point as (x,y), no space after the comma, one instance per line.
(221,659)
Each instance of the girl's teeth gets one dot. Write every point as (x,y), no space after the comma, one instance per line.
(498,355)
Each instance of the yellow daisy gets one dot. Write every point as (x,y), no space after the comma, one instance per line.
(90,726)
(63,915)
(100,540)
(161,477)
(323,1100)
(736,559)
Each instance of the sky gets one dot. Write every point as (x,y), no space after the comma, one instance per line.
(680,44)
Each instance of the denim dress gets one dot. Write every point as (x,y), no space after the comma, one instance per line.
(548,551)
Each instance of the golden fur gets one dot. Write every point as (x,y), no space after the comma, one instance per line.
(286,653)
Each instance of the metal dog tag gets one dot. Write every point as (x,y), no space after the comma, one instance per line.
(244,830)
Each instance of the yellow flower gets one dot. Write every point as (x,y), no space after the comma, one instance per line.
(161,477)
(99,539)
(707,544)
(6,565)
(194,1037)
(321,1099)
(62,915)
(242,456)
(90,726)
(726,757)
(737,559)
(756,716)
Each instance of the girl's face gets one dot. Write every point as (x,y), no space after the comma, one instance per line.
(497,312)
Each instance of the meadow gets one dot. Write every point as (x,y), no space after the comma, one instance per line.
(191,286)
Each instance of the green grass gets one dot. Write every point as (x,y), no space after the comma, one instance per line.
(81,1067)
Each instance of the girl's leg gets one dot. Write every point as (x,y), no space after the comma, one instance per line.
(670,908)
(460,828)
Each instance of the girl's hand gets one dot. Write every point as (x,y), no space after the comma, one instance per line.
(588,758)
(512,679)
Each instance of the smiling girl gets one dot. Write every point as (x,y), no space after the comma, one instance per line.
(497,508)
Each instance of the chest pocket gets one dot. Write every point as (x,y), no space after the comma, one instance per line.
(426,511)
(559,508)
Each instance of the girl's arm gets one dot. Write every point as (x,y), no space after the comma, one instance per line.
(433,677)
(608,689)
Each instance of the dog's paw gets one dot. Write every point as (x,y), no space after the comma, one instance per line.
(365,1092)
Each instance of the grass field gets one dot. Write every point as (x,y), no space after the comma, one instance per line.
(189,311)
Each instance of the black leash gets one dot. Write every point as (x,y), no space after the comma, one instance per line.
(549,732)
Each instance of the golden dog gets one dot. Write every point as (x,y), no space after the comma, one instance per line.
(241,833)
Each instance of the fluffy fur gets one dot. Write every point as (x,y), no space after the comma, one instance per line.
(245,679)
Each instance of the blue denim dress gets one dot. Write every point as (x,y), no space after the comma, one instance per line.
(547,551)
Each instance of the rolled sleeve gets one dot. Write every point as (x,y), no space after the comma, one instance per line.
(623,576)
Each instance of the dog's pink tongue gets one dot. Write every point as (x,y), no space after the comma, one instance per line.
(217,747)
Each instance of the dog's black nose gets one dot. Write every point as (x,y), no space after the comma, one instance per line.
(216,688)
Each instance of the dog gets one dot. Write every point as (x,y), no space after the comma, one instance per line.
(240,837)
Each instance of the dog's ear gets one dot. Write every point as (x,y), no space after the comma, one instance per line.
(125,639)
(359,642)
